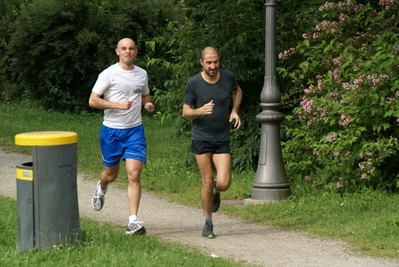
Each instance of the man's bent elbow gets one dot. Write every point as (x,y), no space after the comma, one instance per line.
(91,104)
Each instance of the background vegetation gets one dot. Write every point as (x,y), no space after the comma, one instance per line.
(345,126)
(337,63)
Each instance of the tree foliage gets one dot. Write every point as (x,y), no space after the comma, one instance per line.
(56,49)
(239,37)
(343,134)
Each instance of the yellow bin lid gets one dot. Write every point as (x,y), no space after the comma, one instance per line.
(46,138)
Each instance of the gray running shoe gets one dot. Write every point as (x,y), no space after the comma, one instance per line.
(216,202)
(136,228)
(207,232)
(97,201)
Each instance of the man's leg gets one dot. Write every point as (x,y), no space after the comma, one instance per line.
(204,162)
(133,168)
(222,182)
(223,169)
(108,175)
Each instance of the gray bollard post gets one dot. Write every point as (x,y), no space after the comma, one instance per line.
(55,201)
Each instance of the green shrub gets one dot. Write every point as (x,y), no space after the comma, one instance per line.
(54,50)
(342,137)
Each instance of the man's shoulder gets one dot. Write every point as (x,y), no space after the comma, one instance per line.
(109,69)
(195,78)
(139,69)
(226,73)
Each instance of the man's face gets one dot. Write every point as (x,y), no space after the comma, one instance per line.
(126,51)
(210,64)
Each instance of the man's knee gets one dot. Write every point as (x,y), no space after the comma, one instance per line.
(208,182)
(110,174)
(222,185)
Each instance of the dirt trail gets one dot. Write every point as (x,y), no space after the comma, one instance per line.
(256,244)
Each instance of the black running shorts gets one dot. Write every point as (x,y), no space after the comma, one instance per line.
(215,147)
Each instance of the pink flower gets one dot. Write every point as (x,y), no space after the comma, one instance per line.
(345,120)
(330,138)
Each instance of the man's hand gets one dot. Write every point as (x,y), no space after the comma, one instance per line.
(149,106)
(207,109)
(237,121)
(125,105)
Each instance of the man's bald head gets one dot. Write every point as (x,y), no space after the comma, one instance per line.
(208,50)
(125,42)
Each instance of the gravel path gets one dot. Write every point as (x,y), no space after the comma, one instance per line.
(256,244)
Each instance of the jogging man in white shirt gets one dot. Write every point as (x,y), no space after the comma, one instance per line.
(124,89)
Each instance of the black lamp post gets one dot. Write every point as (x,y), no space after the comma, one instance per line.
(270,182)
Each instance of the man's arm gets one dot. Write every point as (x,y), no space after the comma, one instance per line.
(95,101)
(193,113)
(148,105)
(237,97)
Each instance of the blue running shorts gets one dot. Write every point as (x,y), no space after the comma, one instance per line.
(117,144)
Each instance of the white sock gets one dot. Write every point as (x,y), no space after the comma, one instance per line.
(100,191)
(132,218)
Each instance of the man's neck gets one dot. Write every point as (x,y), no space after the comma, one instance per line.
(126,66)
(210,79)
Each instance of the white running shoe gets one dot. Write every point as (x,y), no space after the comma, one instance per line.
(136,228)
(97,201)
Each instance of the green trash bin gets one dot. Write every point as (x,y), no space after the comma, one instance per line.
(52,217)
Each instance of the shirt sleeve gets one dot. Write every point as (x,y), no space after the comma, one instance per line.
(189,96)
(146,89)
(102,83)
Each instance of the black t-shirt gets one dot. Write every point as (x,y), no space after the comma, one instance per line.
(213,127)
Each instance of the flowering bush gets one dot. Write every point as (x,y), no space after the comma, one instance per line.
(342,136)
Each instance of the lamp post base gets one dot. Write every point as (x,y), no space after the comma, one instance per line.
(270,194)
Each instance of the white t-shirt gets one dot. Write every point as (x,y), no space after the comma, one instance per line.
(118,85)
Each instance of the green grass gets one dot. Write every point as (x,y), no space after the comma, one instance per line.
(368,222)
(101,245)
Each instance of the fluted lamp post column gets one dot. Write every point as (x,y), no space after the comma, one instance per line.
(270,182)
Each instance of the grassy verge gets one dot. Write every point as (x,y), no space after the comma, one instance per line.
(101,245)
(368,222)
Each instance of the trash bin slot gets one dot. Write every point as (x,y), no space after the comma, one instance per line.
(24,171)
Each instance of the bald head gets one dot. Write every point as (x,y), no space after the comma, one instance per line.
(209,50)
(125,42)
